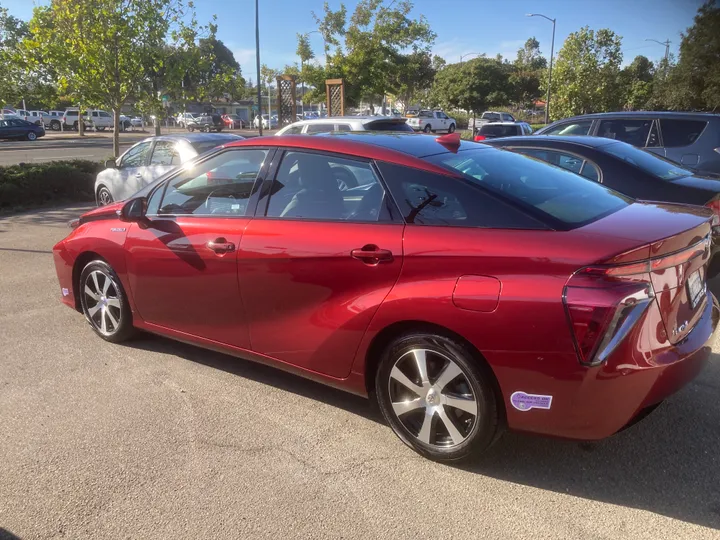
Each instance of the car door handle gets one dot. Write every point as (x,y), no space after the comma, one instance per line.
(372,255)
(220,245)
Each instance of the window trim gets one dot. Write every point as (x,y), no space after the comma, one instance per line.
(151,144)
(591,130)
(569,152)
(389,202)
(254,191)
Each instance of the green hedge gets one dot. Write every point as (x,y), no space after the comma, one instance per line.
(31,185)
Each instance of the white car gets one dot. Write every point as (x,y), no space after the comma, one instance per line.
(182,119)
(431,121)
(346,123)
(273,122)
(149,159)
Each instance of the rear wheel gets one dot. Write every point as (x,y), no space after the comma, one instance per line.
(451,129)
(55,125)
(191,129)
(104,303)
(427,129)
(31,136)
(75,125)
(437,397)
(98,128)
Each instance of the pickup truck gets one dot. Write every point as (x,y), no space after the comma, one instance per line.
(428,121)
(490,116)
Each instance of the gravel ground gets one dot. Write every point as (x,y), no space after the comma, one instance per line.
(157,439)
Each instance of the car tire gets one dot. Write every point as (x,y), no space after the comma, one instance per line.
(98,128)
(453,413)
(104,197)
(76,125)
(427,129)
(55,125)
(31,136)
(104,302)
(451,129)
(191,129)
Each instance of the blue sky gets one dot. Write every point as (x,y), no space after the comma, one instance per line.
(462,26)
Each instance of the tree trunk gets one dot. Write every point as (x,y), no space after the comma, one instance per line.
(116,132)
(157,125)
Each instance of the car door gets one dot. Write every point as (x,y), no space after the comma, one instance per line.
(130,172)
(679,137)
(182,263)
(165,156)
(317,261)
(15,128)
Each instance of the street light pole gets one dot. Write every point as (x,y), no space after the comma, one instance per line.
(257,58)
(552,52)
(468,54)
(665,44)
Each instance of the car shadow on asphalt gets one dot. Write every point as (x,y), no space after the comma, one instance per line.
(260,373)
(7,535)
(668,463)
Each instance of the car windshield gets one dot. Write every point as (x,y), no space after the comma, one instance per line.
(564,197)
(650,163)
(498,130)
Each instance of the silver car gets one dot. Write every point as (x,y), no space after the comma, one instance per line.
(690,139)
(149,159)
(346,123)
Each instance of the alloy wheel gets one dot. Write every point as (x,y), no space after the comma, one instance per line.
(104,197)
(432,398)
(31,136)
(101,302)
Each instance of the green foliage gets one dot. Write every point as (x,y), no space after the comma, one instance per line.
(585,75)
(31,185)
(694,83)
(528,70)
(475,85)
(375,51)
(636,83)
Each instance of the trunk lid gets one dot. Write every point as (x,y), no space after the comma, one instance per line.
(672,249)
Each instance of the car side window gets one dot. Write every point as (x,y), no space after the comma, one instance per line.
(680,132)
(95,114)
(507,118)
(631,131)
(343,127)
(324,187)
(581,127)
(319,128)
(165,153)
(103,114)
(569,162)
(136,156)
(222,185)
(427,198)
(294,130)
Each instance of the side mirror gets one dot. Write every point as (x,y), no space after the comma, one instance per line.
(110,164)
(134,210)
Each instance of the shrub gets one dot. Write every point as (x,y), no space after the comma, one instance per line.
(29,185)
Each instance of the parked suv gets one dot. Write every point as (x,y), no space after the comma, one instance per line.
(502,129)
(428,121)
(691,139)
(210,122)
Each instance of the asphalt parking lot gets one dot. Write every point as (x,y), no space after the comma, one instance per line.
(69,145)
(157,439)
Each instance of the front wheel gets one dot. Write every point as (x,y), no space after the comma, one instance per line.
(437,397)
(104,303)
(104,196)
(191,129)
(98,128)
(451,129)
(427,129)
(55,125)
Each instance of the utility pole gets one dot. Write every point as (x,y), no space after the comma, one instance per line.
(665,44)
(257,58)
(552,52)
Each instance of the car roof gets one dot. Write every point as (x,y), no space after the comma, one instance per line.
(362,119)
(504,123)
(577,140)
(197,137)
(400,148)
(641,114)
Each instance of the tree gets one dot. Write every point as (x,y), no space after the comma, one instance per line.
(636,83)
(12,32)
(585,75)
(305,52)
(473,86)
(415,74)
(696,78)
(371,48)
(101,49)
(528,71)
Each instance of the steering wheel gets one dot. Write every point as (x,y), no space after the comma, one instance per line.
(220,193)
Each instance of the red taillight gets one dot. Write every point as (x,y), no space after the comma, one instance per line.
(479,138)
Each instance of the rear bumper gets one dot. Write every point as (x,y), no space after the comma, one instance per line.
(594,403)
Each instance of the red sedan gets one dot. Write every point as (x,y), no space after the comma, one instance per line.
(464,287)
(233,121)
